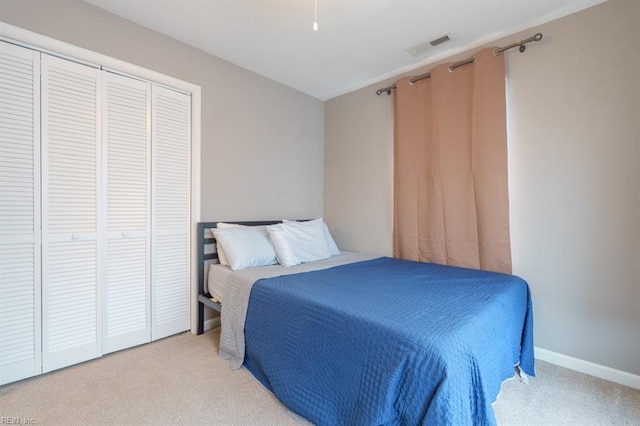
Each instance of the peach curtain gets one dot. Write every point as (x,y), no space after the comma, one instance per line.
(451,202)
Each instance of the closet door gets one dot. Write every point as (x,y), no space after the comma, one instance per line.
(19,213)
(70,198)
(171,142)
(126,144)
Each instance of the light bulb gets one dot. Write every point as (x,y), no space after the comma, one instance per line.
(315,16)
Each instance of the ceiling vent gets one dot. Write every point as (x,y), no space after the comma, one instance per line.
(440,40)
(422,48)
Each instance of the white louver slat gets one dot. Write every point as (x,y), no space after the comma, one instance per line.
(72,293)
(127,144)
(170,205)
(20,337)
(70,194)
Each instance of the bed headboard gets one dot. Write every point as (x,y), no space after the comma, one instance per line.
(206,256)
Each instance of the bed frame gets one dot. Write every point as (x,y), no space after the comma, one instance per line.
(206,256)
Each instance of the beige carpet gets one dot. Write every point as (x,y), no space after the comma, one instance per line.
(181,380)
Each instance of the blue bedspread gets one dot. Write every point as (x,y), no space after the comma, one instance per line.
(388,341)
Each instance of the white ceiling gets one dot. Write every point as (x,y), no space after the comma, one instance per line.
(359,42)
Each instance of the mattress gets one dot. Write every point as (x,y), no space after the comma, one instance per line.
(218,281)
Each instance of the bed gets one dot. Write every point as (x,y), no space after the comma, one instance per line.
(361,340)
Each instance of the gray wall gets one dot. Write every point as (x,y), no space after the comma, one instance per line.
(574,153)
(251,126)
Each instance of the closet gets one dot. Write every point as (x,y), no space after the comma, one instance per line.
(94,212)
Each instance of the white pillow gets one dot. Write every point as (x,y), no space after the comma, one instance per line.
(333,248)
(246,246)
(222,257)
(299,242)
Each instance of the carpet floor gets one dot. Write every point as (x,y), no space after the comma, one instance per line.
(182,380)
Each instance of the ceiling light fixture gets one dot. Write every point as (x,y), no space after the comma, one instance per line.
(315,15)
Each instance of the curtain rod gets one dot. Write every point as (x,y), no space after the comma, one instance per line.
(496,52)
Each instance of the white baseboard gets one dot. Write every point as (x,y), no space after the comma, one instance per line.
(597,370)
(211,323)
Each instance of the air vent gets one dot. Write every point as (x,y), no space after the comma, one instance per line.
(422,48)
(437,42)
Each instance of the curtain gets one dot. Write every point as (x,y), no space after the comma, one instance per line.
(451,202)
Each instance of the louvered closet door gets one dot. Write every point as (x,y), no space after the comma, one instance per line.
(126,142)
(70,194)
(170,205)
(19,213)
